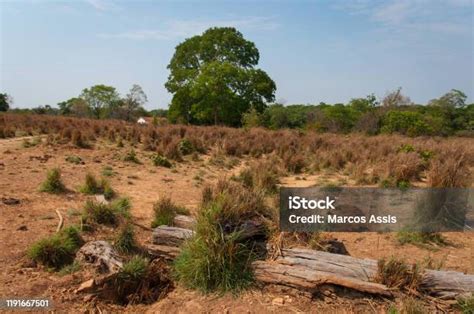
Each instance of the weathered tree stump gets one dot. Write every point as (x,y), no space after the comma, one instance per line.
(101,255)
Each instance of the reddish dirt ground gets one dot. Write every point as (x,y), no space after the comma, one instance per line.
(23,169)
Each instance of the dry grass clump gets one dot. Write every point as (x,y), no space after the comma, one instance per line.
(78,140)
(450,169)
(262,176)
(140,281)
(397,274)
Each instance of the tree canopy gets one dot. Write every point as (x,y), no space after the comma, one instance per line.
(5,101)
(213,79)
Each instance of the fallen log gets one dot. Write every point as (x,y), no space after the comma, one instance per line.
(183,221)
(167,252)
(307,270)
(170,236)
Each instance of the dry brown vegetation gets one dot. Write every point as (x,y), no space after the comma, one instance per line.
(385,159)
(162,163)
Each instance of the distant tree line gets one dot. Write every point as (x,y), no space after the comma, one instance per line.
(98,101)
(396,113)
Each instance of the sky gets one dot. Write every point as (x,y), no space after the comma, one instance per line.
(327,50)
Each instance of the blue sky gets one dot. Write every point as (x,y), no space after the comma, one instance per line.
(314,50)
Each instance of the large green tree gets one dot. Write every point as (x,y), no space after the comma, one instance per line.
(5,101)
(100,98)
(213,79)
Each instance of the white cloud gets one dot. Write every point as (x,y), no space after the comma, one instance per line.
(102,5)
(185,28)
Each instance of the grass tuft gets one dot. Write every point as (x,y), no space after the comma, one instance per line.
(58,249)
(165,211)
(53,183)
(466,304)
(421,239)
(125,241)
(216,259)
(92,186)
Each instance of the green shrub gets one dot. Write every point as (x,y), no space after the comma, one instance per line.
(131,156)
(74,160)
(165,211)
(58,249)
(125,241)
(422,239)
(159,160)
(406,122)
(53,183)
(185,147)
(406,148)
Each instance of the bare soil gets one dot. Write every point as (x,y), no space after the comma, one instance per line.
(23,169)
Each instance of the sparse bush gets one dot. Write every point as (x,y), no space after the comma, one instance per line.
(78,140)
(159,160)
(74,160)
(261,176)
(185,147)
(34,142)
(57,250)
(294,163)
(125,241)
(53,183)
(131,156)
